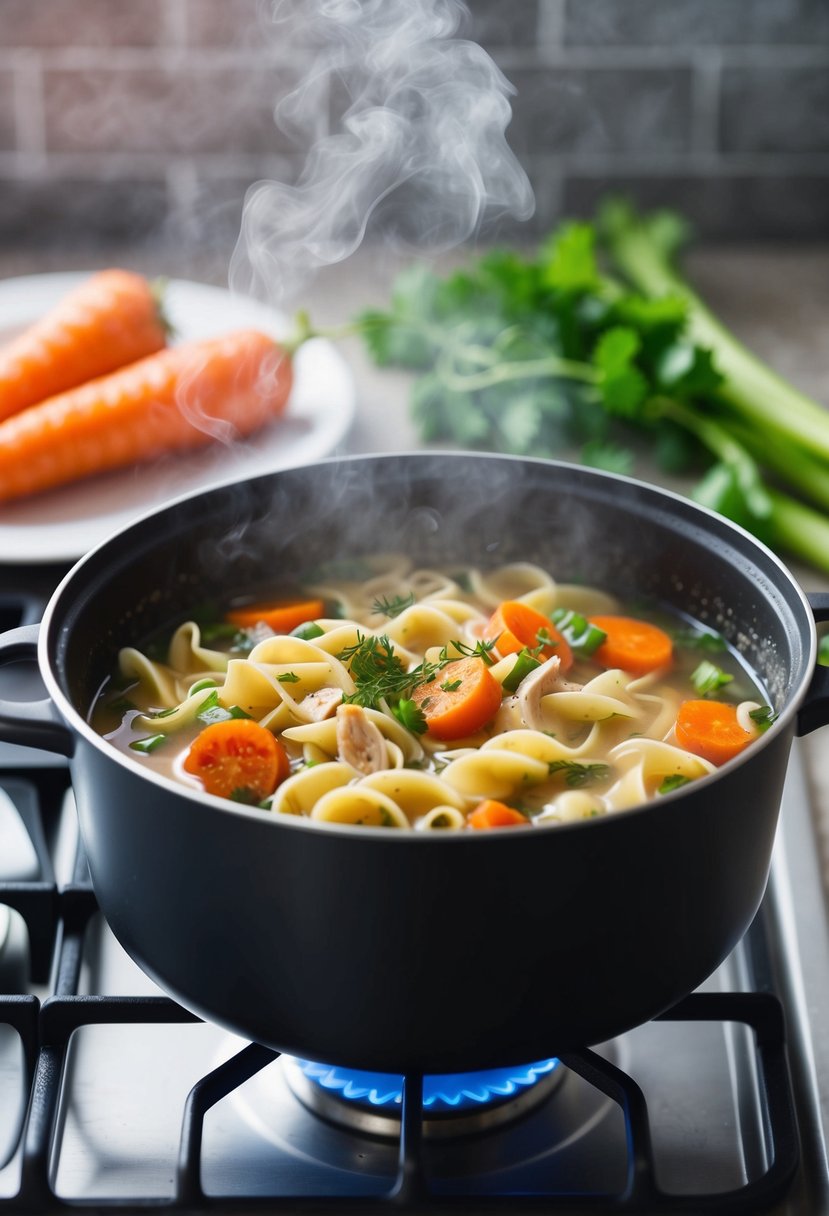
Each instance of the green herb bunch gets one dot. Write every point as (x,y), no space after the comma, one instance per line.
(597,347)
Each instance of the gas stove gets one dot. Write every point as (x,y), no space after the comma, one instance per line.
(113,1096)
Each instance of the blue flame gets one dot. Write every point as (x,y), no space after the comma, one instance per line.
(450,1092)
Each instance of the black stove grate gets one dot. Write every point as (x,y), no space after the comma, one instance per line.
(57,918)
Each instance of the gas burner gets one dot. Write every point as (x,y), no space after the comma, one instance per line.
(454,1104)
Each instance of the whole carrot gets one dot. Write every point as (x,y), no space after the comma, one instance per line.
(180,398)
(110,319)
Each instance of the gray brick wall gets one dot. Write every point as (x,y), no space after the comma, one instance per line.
(147,120)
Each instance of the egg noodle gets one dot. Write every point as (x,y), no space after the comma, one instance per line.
(561,746)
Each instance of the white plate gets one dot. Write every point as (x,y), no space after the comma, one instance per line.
(65,523)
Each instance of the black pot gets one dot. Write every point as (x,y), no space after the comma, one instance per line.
(424,952)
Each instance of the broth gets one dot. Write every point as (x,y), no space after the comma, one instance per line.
(458,699)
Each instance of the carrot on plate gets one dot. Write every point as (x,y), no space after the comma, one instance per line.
(238,759)
(492,814)
(180,398)
(109,320)
(281,617)
(460,699)
(710,729)
(635,646)
(516,625)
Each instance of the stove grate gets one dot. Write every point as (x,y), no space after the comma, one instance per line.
(45,1028)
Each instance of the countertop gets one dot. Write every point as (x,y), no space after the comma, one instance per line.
(775,299)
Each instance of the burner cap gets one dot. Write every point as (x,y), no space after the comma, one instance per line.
(453,1103)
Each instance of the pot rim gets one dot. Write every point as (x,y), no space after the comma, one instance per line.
(81,726)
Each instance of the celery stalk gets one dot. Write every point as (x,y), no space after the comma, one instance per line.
(642,249)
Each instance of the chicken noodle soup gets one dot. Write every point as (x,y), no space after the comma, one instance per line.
(390,695)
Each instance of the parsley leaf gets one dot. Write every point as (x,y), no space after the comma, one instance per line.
(622,385)
(568,259)
(763,717)
(673,782)
(410,715)
(560,354)
(148,744)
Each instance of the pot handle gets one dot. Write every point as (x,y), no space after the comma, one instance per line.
(30,723)
(814,711)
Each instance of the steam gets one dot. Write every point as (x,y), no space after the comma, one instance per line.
(418,156)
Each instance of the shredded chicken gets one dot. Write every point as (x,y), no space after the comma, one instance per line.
(359,741)
(538,684)
(321,704)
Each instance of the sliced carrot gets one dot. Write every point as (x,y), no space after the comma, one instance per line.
(516,625)
(634,645)
(710,729)
(461,698)
(180,398)
(492,814)
(238,759)
(280,617)
(109,320)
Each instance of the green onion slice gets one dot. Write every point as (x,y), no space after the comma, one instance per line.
(584,638)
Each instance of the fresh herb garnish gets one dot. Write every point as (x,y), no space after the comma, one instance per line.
(544,639)
(394,606)
(288,677)
(707,678)
(577,775)
(376,671)
(212,710)
(695,639)
(451,685)
(672,782)
(584,639)
(149,744)
(307,631)
(410,715)
(481,650)
(525,663)
(244,794)
(763,717)
(594,343)
(379,675)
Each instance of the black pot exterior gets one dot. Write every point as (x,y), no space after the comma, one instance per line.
(390,954)
(413,953)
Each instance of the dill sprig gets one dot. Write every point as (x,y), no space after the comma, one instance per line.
(377,672)
(578,775)
(379,675)
(394,606)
